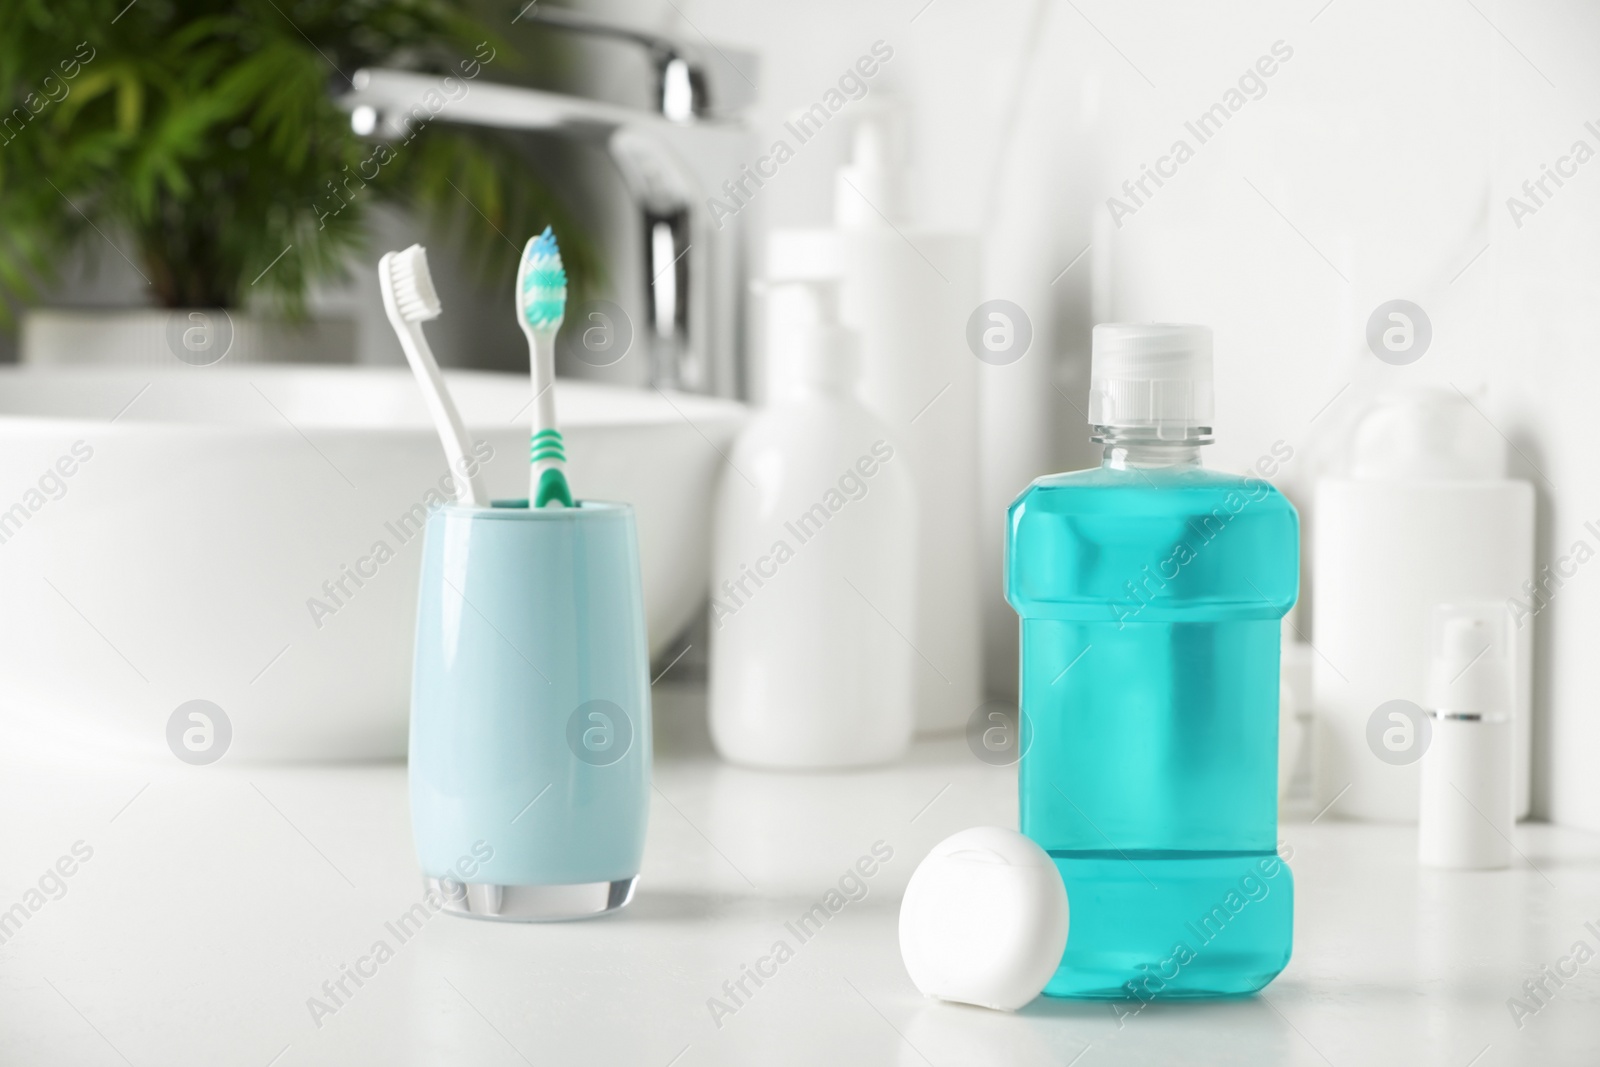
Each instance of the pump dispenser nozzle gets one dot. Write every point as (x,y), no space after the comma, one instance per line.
(822,351)
(869,191)
(812,348)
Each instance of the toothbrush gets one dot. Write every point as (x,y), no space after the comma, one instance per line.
(410,299)
(541,305)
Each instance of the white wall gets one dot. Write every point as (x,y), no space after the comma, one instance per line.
(1543,281)
(1375,166)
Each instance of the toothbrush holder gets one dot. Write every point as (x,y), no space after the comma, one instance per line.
(530,711)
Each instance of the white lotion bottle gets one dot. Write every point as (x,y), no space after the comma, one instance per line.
(1426,516)
(814,555)
(908,291)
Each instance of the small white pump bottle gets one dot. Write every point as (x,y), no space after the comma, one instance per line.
(1465,818)
(813,561)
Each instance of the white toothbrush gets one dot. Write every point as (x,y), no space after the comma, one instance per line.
(409,299)
(541,305)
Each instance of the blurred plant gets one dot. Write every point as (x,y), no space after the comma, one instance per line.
(205,133)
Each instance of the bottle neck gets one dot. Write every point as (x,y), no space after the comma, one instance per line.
(826,360)
(1140,449)
(815,383)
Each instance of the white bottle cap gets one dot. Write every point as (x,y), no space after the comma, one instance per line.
(1154,377)
(1470,668)
(1425,432)
(984,919)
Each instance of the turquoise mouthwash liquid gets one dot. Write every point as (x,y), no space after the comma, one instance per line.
(1151,593)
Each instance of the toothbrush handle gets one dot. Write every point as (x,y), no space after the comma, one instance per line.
(446,420)
(544,378)
(547,449)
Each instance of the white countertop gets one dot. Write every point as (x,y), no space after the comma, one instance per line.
(218,899)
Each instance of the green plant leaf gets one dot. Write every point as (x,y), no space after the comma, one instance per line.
(205,137)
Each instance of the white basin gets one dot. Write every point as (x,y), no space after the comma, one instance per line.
(181,559)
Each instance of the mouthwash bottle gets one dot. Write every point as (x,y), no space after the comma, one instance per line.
(1151,592)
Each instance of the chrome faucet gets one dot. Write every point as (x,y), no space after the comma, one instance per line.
(671,159)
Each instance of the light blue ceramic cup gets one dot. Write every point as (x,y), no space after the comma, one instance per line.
(530,711)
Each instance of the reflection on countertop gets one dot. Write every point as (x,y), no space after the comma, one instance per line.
(238,898)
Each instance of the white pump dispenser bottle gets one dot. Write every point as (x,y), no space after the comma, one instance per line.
(814,558)
(909,291)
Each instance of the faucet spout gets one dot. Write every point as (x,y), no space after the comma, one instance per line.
(669,159)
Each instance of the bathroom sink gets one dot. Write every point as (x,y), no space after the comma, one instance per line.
(249,537)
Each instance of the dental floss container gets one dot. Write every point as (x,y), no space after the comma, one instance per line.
(1465,816)
(1426,515)
(984,919)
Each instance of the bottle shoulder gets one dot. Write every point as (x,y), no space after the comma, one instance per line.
(1118,477)
(819,423)
(794,455)
(1148,491)
(1189,543)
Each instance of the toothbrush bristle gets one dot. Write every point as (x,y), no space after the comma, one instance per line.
(542,294)
(414,294)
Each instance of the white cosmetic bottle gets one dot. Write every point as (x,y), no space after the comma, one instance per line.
(813,578)
(1465,819)
(908,291)
(1426,516)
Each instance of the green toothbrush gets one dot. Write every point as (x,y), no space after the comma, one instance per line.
(541,305)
